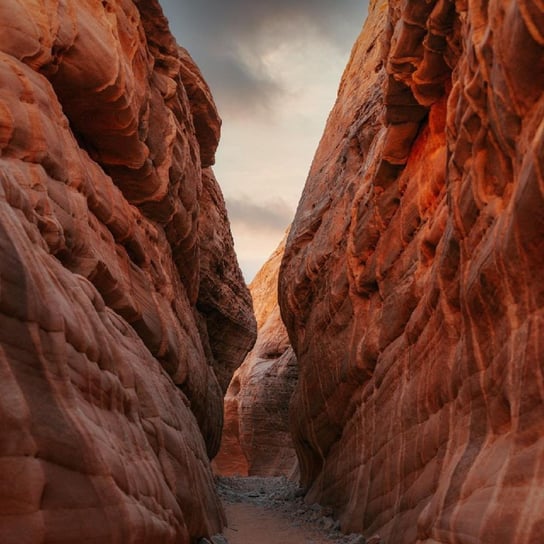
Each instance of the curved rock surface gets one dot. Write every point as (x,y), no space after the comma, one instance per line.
(256,437)
(411,285)
(111,403)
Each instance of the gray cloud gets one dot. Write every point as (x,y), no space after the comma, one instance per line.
(271,215)
(228,39)
(237,86)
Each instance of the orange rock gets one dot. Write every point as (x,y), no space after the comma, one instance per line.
(410,284)
(110,404)
(228,329)
(256,438)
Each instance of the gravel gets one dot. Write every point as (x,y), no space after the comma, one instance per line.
(283,495)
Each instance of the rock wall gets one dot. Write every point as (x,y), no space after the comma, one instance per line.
(411,285)
(111,400)
(256,437)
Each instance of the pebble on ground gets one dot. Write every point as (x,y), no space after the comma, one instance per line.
(285,497)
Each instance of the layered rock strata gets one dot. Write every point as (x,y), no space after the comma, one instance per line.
(256,438)
(111,404)
(411,285)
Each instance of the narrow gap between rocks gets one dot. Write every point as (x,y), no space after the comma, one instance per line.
(273,511)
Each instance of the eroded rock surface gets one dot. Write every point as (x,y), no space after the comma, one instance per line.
(411,285)
(110,407)
(256,438)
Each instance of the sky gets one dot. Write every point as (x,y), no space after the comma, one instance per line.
(274,68)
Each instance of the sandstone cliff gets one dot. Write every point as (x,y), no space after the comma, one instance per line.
(411,284)
(112,283)
(256,437)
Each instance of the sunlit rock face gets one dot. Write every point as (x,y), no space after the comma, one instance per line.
(256,438)
(111,403)
(411,285)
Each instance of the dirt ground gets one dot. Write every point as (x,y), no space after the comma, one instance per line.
(250,523)
(273,511)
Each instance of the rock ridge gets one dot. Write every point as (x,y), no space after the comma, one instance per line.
(408,285)
(111,396)
(256,437)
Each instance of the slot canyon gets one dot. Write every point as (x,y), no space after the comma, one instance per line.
(380,381)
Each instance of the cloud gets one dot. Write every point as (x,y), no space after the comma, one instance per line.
(272,215)
(220,22)
(273,68)
(257,227)
(230,40)
(240,87)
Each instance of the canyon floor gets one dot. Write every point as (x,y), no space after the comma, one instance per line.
(273,511)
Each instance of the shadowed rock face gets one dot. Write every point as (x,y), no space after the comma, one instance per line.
(256,439)
(111,400)
(411,285)
(226,322)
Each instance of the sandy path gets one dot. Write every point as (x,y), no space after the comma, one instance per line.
(273,511)
(249,523)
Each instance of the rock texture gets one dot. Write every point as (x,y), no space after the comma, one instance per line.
(111,404)
(256,437)
(223,298)
(411,284)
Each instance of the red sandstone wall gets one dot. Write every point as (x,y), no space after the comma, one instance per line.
(411,285)
(256,438)
(111,400)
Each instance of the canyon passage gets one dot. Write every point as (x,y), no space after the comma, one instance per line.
(380,381)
